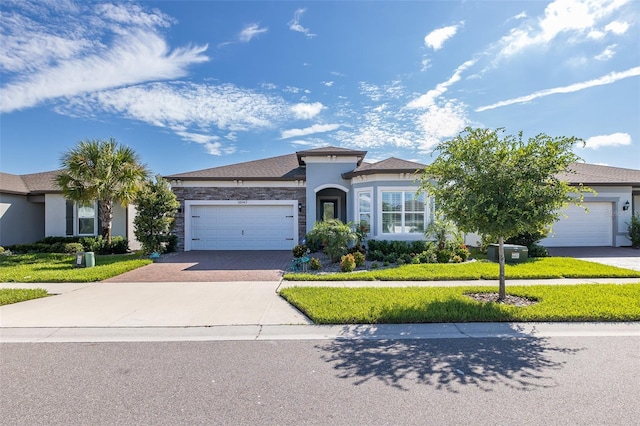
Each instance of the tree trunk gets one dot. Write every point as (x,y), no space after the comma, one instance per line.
(106,217)
(502,292)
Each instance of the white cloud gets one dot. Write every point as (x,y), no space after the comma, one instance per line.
(614,139)
(316,128)
(251,31)
(426,64)
(306,111)
(607,79)
(436,38)
(429,98)
(82,48)
(607,53)
(140,57)
(327,83)
(441,122)
(617,27)
(560,16)
(294,24)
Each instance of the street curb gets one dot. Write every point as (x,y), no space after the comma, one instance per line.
(318,332)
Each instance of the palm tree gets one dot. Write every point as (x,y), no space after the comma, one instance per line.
(102,171)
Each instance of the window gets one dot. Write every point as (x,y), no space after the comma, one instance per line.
(364,208)
(403,212)
(87,219)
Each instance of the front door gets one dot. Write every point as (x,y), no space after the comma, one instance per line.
(329,210)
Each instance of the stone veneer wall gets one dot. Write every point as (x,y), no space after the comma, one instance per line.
(238,193)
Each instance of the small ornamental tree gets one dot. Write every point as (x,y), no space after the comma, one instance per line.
(157,207)
(501,185)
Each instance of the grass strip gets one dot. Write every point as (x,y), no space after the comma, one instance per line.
(385,305)
(54,268)
(15,295)
(538,268)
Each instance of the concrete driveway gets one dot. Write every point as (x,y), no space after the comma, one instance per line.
(212,266)
(621,257)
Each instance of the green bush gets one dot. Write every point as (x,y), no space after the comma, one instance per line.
(634,230)
(72,248)
(347,263)
(335,237)
(170,243)
(315,264)
(359,258)
(299,251)
(538,251)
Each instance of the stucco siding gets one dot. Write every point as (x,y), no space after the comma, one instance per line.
(21,221)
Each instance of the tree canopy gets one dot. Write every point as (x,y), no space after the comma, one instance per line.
(102,171)
(157,206)
(501,185)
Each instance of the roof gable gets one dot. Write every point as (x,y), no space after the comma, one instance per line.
(594,174)
(389,165)
(29,184)
(331,151)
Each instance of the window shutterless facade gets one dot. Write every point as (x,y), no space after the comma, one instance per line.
(403,212)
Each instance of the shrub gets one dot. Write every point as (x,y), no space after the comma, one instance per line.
(170,243)
(299,251)
(538,251)
(375,265)
(462,252)
(358,257)
(444,255)
(347,263)
(375,255)
(390,258)
(634,230)
(334,235)
(314,264)
(72,248)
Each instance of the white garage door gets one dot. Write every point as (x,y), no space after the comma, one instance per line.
(242,227)
(583,229)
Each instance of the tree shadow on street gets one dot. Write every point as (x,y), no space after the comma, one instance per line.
(522,363)
(516,359)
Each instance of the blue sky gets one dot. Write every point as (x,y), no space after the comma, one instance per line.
(198,84)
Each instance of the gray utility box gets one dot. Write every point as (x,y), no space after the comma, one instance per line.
(512,253)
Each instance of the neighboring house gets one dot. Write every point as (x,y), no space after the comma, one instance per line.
(32,207)
(271,204)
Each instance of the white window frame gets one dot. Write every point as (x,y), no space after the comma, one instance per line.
(76,221)
(372,208)
(428,213)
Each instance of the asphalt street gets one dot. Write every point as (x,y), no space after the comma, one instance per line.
(527,380)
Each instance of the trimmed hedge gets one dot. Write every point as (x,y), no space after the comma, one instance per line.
(71,245)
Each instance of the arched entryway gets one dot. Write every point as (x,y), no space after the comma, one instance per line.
(331,203)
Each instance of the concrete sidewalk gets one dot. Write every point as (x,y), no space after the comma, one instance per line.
(87,312)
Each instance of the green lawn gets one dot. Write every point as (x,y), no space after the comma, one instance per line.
(15,295)
(53,268)
(375,305)
(538,268)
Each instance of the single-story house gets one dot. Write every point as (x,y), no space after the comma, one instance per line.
(32,207)
(271,204)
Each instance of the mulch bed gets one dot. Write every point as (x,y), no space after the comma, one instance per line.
(508,300)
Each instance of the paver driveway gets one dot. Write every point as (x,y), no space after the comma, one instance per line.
(212,266)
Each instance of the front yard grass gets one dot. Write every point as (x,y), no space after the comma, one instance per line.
(537,268)
(385,305)
(55,268)
(15,295)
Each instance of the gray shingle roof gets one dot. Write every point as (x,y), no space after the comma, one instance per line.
(592,174)
(330,150)
(390,165)
(34,183)
(284,167)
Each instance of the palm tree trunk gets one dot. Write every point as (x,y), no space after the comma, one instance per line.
(502,292)
(106,218)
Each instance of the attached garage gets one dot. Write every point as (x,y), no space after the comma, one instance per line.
(241,225)
(580,228)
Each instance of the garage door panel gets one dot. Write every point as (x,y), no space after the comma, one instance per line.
(580,228)
(245,227)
